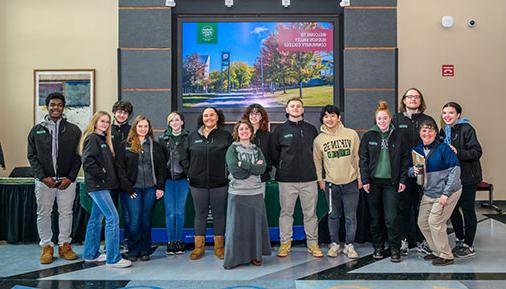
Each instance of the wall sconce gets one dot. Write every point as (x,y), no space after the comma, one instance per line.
(447,21)
(285,3)
(229,3)
(344,3)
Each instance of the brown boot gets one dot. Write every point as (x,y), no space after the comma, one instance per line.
(47,255)
(198,252)
(219,251)
(65,252)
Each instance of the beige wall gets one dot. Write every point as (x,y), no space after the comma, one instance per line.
(479,56)
(52,34)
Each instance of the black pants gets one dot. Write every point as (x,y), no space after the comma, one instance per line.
(465,230)
(409,208)
(216,198)
(383,200)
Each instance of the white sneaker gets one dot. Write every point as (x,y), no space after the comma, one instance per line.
(404,247)
(349,251)
(122,263)
(334,249)
(100,258)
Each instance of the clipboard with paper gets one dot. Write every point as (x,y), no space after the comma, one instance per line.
(419,163)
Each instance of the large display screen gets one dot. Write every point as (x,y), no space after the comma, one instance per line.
(234,64)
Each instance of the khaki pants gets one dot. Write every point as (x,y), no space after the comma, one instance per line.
(432,221)
(308,194)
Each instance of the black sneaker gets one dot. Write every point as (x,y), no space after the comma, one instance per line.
(395,256)
(131,258)
(464,251)
(179,248)
(171,248)
(145,258)
(442,262)
(378,254)
(423,247)
(430,257)
(458,245)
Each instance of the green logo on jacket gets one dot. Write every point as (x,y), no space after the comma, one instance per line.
(40,132)
(288,135)
(403,126)
(198,141)
(373,143)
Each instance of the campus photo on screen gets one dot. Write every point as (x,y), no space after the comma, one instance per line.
(235,64)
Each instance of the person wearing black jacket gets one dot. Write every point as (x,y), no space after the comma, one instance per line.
(173,143)
(407,122)
(292,155)
(121,110)
(53,156)
(100,178)
(141,172)
(461,136)
(257,116)
(207,147)
(384,170)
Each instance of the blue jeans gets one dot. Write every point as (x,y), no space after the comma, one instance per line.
(139,228)
(174,200)
(102,206)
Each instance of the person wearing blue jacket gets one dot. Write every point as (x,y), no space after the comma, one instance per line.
(441,191)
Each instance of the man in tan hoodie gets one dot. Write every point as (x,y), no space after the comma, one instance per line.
(335,152)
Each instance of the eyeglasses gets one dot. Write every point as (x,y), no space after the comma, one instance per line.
(412,96)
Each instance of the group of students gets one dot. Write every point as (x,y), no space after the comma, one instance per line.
(226,173)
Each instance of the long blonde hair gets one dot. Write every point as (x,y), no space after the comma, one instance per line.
(133,137)
(92,126)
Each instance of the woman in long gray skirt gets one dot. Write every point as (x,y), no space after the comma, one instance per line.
(247,234)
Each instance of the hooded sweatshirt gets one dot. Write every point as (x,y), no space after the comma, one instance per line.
(245,173)
(338,152)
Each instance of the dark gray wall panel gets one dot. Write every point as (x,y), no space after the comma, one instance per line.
(373,2)
(141,3)
(369,69)
(361,105)
(370,27)
(145,69)
(155,105)
(144,28)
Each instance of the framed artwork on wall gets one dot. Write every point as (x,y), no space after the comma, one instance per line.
(78,87)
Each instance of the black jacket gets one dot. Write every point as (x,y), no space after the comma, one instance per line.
(292,151)
(40,151)
(127,164)
(207,158)
(409,128)
(369,152)
(119,134)
(469,152)
(262,140)
(176,154)
(98,164)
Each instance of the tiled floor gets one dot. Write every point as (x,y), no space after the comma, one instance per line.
(19,267)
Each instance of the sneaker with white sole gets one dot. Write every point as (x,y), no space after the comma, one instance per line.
(334,249)
(458,246)
(100,258)
(423,247)
(122,263)
(404,247)
(349,251)
(464,251)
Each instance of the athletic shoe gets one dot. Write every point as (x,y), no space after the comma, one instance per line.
(404,247)
(378,254)
(349,251)
(171,248)
(334,249)
(122,263)
(430,257)
(315,250)
(100,258)
(179,248)
(395,256)
(145,258)
(458,245)
(442,262)
(424,248)
(284,249)
(464,251)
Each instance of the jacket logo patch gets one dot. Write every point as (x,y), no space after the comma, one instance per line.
(403,126)
(40,132)
(199,141)
(288,135)
(373,143)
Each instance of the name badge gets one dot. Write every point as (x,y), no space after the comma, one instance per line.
(288,135)
(373,143)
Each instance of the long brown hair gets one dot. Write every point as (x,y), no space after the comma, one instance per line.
(133,137)
(92,126)
(235,133)
(255,107)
